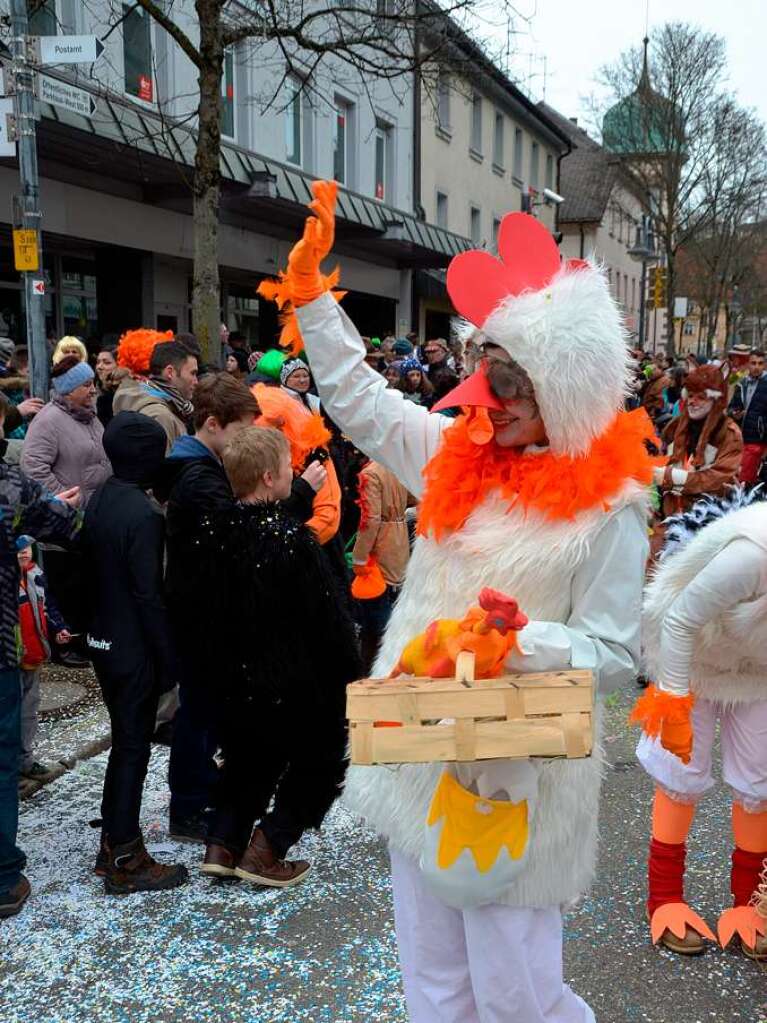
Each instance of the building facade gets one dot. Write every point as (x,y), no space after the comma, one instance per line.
(485,150)
(116,193)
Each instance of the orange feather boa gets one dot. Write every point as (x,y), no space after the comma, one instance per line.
(462,474)
(304,430)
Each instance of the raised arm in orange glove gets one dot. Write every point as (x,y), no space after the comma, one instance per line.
(303,281)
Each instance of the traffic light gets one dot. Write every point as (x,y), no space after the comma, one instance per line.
(658,282)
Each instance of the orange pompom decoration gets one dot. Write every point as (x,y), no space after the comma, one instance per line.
(668,716)
(136,346)
(369,582)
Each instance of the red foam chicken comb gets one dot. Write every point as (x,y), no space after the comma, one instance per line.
(503,610)
(477,282)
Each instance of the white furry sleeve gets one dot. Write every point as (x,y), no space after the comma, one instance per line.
(399,434)
(602,630)
(736,574)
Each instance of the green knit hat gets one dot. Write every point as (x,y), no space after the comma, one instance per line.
(270,363)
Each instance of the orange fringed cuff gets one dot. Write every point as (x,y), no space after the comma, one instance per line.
(282,293)
(654,709)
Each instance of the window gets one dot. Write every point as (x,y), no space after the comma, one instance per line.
(496,232)
(518,148)
(227,95)
(343,129)
(443,100)
(534,158)
(42,19)
(498,140)
(137,52)
(689,329)
(441,210)
(476,123)
(475,225)
(293,122)
(549,171)
(383,156)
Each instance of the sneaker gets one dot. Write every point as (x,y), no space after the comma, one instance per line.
(12,901)
(35,771)
(219,861)
(259,865)
(131,869)
(189,829)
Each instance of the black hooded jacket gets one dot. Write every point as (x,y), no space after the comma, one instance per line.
(123,539)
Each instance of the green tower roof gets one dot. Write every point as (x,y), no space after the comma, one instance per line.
(642,124)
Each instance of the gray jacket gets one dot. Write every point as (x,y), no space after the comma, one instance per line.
(63,449)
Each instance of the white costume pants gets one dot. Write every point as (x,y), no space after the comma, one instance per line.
(494,964)
(743,730)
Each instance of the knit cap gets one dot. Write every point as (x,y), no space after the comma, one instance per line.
(25,540)
(75,377)
(270,363)
(402,347)
(408,365)
(290,366)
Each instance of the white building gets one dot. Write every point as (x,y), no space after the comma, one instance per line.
(116,198)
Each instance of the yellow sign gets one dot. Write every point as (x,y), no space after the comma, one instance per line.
(26,255)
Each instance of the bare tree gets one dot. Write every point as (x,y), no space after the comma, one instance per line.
(685,143)
(373,40)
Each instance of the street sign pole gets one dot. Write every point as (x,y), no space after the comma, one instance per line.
(24,101)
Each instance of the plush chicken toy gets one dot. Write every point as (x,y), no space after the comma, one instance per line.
(488,631)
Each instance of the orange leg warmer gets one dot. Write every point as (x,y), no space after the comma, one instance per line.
(749,829)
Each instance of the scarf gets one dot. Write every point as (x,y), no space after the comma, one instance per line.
(463,474)
(80,415)
(180,405)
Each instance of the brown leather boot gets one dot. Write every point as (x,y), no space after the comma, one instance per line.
(101,865)
(259,865)
(131,869)
(219,861)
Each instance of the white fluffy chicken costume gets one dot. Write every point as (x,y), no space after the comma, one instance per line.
(705,634)
(561,527)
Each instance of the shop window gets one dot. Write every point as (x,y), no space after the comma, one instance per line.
(293,121)
(137,52)
(228,96)
(496,232)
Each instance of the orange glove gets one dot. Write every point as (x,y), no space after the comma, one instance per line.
(368,582)
(303,275)
(668,716)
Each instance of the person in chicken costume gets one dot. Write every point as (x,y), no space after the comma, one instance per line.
(704,636)
(536,490)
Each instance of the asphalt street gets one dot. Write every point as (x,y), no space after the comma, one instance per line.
(325,952)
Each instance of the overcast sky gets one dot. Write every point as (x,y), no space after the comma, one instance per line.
(578,36)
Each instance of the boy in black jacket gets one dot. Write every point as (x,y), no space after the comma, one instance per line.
(282,688)
(129,641)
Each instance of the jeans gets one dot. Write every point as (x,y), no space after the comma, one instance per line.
(30,712)
(12,859)
(192,771)
(132,704)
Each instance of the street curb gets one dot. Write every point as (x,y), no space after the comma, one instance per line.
(28,788)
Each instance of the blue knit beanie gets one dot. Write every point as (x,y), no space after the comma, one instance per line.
(408,365)
(72,379)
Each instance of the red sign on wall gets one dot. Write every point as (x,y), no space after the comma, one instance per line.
(145,88)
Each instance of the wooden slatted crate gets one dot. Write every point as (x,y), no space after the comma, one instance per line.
(423,720)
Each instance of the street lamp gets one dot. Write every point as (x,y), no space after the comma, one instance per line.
(643,250)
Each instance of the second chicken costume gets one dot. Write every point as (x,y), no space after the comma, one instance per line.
(558,525)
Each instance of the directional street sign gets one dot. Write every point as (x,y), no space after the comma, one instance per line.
(7,135)
(69,97)
(38,287)
(65,49)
